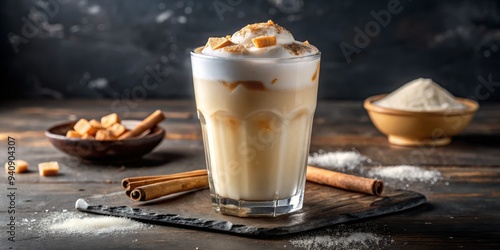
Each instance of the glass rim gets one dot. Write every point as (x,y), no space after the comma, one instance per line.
(261,59)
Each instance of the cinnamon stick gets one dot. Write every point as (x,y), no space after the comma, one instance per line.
(144,180)
(151,187)
(132,185)
(344,181)
(156,190)
(126,181)
(144,125)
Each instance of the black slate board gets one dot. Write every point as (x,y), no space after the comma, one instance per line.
(323,206)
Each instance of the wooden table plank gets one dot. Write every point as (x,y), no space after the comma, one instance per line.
(461,209)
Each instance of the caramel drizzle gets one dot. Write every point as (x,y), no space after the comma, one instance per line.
(315,73)
(250,85)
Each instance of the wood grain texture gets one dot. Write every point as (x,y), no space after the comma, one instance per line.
(459,213)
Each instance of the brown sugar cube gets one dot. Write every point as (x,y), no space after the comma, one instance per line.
(100,135)
(19,166)
(73,134)
(108,120)
(104,135)
(218,42)
(50,168)
(87,137)
(264,41)
(117,129)
(95,123)
(83,127)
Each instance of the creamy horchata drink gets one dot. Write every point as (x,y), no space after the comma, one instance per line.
(256,95)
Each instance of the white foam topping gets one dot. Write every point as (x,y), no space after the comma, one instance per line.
(302,73)
(285,47)
(247,33)
(286,65)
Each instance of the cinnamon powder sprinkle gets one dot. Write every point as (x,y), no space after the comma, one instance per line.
(297,48)
(259,29)
(274,80)
(238,48)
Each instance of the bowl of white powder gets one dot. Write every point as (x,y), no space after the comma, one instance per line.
(420,113)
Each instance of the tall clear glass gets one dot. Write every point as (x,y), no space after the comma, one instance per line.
(256,115)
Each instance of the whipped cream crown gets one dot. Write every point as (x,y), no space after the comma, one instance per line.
(265,40)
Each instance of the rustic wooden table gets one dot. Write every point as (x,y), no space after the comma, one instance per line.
(463,209)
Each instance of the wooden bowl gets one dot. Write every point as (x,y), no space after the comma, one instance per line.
(112,150)
(415,128)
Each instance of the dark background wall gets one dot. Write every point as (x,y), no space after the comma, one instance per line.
(123,48)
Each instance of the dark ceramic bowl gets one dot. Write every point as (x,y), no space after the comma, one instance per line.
(113,150)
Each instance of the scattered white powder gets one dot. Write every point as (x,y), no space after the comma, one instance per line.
(406,173)
(420,95)
(97,225)
(75,223)
(340,160)
(342,237)
(399,177)
(345,242)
